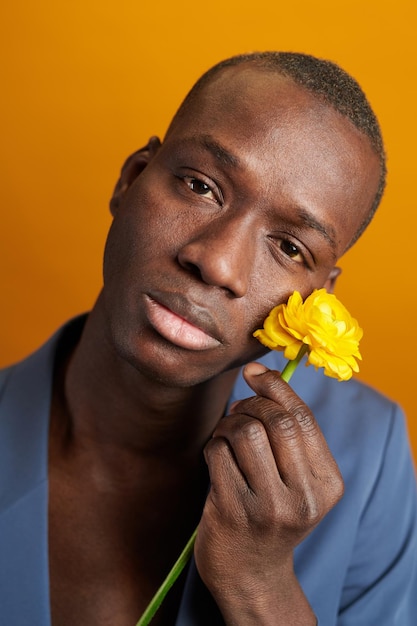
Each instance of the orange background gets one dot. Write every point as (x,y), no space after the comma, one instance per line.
(85,82)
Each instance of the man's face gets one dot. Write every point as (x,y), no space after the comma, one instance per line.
(256,192)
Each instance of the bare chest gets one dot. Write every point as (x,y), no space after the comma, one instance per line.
(108,555)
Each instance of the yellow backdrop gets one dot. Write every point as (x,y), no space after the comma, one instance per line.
(84,83)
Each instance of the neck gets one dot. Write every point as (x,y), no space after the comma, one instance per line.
(106,401)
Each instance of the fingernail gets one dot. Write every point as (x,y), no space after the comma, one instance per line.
(255,369)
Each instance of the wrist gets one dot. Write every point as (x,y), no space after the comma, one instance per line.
(280,606)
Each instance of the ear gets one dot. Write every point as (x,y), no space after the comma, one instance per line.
(133,166)
(332,278)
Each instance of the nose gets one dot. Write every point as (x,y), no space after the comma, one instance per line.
(222,254)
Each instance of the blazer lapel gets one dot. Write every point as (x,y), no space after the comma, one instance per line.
(24,421)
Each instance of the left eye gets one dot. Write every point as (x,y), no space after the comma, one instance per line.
(291,250)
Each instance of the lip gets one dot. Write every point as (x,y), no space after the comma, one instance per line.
(182,322)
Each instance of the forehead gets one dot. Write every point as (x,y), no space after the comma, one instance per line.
(294,144)
(261,96)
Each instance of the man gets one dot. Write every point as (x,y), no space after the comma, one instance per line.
(270,170)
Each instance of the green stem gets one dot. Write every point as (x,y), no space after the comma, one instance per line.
(185,555)
(291,366)
(176,570)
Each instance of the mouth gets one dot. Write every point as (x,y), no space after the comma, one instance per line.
(182,322)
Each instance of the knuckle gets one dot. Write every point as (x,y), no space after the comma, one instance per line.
(303,415)
(211,448)
(310,509)
(317,500)
(215,449)
(337,489)
(266,518)
(252,430)
(285,425)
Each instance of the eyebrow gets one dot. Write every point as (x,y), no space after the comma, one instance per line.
(219,152)
(326,230)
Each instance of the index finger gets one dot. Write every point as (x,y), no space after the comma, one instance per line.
(269,384)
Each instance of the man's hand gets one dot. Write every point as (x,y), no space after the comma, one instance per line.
(273,479)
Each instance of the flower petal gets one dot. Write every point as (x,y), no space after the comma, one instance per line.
(322,323)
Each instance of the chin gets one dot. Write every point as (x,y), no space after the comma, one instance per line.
(175,377)
(168,366)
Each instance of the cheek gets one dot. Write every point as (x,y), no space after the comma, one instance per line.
(121,248)
(140,232)
(272,285)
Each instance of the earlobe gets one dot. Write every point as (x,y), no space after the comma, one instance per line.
(133,166)
(332,278)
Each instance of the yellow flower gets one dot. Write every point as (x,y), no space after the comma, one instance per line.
(323,325)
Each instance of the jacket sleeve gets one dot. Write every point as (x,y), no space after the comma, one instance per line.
(381,583)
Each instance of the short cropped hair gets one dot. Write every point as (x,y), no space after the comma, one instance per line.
(325,80)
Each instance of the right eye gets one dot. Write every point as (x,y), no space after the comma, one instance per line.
(199,187)
(203,187)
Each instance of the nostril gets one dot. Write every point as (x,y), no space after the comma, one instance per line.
(191,267)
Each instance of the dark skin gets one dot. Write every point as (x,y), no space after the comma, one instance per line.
(255,192)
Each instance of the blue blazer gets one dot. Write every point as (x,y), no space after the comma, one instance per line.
(357,568)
